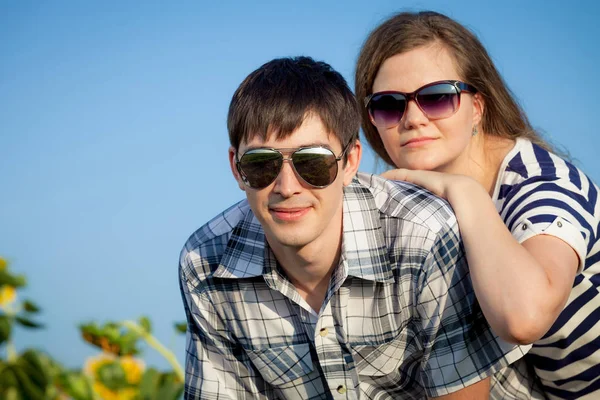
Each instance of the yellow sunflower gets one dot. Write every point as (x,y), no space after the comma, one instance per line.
(133,369)
(8,294)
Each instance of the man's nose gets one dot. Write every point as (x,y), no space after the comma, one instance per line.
(287,182)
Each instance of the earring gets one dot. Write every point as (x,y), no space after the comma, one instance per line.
(474,131)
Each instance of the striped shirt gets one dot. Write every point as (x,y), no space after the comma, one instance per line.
(399,320)
(536,193)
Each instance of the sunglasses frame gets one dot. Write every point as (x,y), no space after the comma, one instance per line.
(458,85)
(291,151)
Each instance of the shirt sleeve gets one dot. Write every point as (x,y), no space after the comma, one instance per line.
(459,347)
(551,206)
(215,366)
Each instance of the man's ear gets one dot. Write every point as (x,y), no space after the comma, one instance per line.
(478,108)
(352,162)
(234,170)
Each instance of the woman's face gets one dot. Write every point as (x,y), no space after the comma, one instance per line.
(418,142)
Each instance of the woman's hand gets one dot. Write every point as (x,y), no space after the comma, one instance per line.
(438,183)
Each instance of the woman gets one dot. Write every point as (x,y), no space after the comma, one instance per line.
(437,109)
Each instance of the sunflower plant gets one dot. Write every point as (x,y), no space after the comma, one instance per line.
(28,375)
(117,372)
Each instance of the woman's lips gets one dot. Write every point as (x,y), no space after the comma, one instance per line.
(418,142)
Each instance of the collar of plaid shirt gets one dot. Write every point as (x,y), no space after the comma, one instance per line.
(364,252)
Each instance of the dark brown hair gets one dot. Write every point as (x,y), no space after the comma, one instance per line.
(502,115)
(276,98)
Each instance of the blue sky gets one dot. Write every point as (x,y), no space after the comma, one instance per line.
(113,139)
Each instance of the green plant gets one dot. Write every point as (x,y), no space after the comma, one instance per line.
(115,373)
(28,375)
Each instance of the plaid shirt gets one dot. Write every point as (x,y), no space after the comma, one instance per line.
(399,320)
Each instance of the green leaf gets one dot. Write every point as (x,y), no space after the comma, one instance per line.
(146,324)
(50,367)
(26,322)
(181,327)
(130,336)
(170,390)
(75,385)
(160,386)
(112,375)
(111,337)
(12,394)
(129,341)
(7,377)
(30,306)
(129,349)
(149,384)
(28,389)
(31,364)
(112,332)
(5,328)
(90,327)
(12,280)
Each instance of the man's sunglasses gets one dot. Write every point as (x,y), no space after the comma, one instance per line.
(437,100)
(316,165)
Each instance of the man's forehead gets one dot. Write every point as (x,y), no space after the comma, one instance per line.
(312,132)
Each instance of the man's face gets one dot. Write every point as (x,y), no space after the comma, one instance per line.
(292,213)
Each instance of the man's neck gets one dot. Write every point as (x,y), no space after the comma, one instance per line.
(309,268)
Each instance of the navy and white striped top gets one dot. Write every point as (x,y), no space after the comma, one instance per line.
(538,192)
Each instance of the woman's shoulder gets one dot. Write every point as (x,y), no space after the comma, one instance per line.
(527,161)
(529,168)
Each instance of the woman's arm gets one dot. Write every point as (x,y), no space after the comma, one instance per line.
(522,288)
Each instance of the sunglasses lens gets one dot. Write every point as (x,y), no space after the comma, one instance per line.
(386,109)
(317,165)
(438,101)
(260,167)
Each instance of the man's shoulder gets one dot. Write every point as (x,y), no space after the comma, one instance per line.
(222,224)
(399,201)
(202,252)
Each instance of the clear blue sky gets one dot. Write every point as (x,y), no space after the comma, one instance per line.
(113,142)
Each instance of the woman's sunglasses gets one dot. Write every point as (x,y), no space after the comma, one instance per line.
(437,100)
(317,166)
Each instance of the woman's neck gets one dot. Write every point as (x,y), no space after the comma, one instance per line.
(482,160)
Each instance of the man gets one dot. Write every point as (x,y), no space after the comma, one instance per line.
(325,283)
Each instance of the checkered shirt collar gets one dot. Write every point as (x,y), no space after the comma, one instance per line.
(364,252)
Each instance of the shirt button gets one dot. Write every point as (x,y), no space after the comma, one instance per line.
(524,227)
(559,224)
(323,332)
(341,389)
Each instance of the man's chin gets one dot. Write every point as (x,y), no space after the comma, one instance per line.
(288,239)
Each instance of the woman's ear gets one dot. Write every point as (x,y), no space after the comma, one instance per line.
(234,169)
(478,108)
(352,162)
